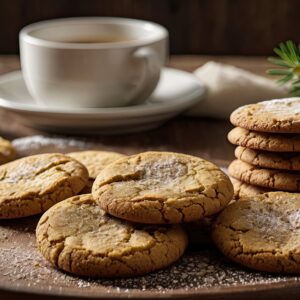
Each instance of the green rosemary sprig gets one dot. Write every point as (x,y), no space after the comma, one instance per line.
(289,61)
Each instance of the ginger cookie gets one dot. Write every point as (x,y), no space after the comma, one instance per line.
(77,236)
(95,161)
(264,159)
(7,151)
(261,232)
(242,189)
(269,178)
(275,116)
(162,187)
(264,141)
(32,184)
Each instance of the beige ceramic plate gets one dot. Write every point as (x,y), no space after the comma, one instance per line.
(202,273)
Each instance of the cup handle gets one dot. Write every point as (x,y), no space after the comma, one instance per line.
(152,67)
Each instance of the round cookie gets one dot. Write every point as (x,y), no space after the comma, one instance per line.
(76,235)
(282,115)
(95,161)
(261,232)
(7,151)
(162,187)
(282,161)
(242,189)
(264,141)
(31,185)
(269,178)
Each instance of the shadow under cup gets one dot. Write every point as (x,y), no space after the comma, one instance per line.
(92,62)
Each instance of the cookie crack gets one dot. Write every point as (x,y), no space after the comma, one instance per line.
(36,173)
(52,165)
(119,178)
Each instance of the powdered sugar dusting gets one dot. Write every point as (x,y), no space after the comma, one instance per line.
(45,144)
(35,144)
(23,266)
(294,219)
(266,218)
(163,170)
(282,107)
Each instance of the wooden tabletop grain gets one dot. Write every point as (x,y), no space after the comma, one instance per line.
(198,136)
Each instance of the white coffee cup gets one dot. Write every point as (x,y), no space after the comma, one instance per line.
(92,62)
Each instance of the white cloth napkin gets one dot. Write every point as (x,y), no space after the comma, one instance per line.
(229,87)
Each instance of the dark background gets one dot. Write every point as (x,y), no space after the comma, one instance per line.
(241,27)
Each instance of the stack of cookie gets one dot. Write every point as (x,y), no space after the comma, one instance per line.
(268,147)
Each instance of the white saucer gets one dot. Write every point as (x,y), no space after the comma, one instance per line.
(176,92)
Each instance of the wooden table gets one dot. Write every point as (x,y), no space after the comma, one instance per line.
(203,137)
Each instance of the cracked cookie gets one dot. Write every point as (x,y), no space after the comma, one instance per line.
(95,161)
(264,159)
(269,178)
(32,184)
(7,151)
(275,116)
(264,141)
(242,189)
(162,187)
(261,232)
(76,235)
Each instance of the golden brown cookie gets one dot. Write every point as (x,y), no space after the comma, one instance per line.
(31,185)
(95,161)
(7,151)
(242,189)
(269,178)
(261,232)
(264,159)
(275,116)
(264,141)
(76,235)
(162,187)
